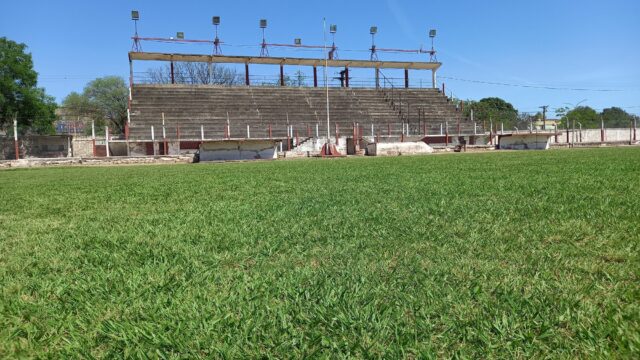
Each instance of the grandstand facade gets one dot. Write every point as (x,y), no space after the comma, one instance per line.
(194,114)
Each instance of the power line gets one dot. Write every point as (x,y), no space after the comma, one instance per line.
(529,86)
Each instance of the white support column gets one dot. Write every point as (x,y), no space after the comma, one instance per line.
(202,132)
(106,140)
(317,131)
(228,127)
(475,128)
(372,131)
(434,82)
(153,140)
(164,132)
(248,132)
(441,129)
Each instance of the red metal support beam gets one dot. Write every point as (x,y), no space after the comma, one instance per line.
(281,75)
(315,76)
(406,78)
(246,74)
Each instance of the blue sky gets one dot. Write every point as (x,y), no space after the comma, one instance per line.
(563,44)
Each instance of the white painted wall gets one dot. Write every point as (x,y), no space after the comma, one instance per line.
(238,150)
(525,141)
(398,148)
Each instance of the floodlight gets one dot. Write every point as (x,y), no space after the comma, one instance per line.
(297,41)
(216,20)
(373,30)
(180,35)
(135,15)
(263,23)
(432,33)
(333,29)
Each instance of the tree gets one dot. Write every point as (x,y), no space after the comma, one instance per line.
(19,95)
(493,109)
(104,100)
(194,73)
(615,117)
(583,115)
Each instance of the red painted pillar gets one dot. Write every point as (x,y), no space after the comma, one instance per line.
(406,78)
(269,131)
(246,74)
(17,149)
(173,79)
(281,75)
(346,75)
(315,76)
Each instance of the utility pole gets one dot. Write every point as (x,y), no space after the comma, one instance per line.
(544,115)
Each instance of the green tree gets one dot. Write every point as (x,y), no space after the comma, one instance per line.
(584,115)
(615,117)
(19,94)
(104,99)
(109,95)
(492,109)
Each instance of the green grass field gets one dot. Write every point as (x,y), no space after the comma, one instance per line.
(509,255)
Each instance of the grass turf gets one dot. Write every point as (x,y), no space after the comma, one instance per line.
(473,255)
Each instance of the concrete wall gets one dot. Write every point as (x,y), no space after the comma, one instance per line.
(238,150)
(524,141)
(593,135)
(81,146)
(398,148)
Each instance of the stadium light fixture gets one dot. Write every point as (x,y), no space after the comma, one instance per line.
(135,16)
(432,33)
(263,23)
(297,41)
(333,29)
(373,30)
(180,35)
(216,20)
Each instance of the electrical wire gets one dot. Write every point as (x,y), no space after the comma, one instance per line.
(528,86)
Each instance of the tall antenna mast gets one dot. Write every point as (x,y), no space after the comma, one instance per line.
(264,51)
(333,54)
(432,53)
(216,42)
(135,16)
(373,30)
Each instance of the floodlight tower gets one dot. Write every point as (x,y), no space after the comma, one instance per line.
(373,30)
(216,42)
(135,16)
(333,53)
(432,53)
(263,51)
(180,35)
(297,42)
